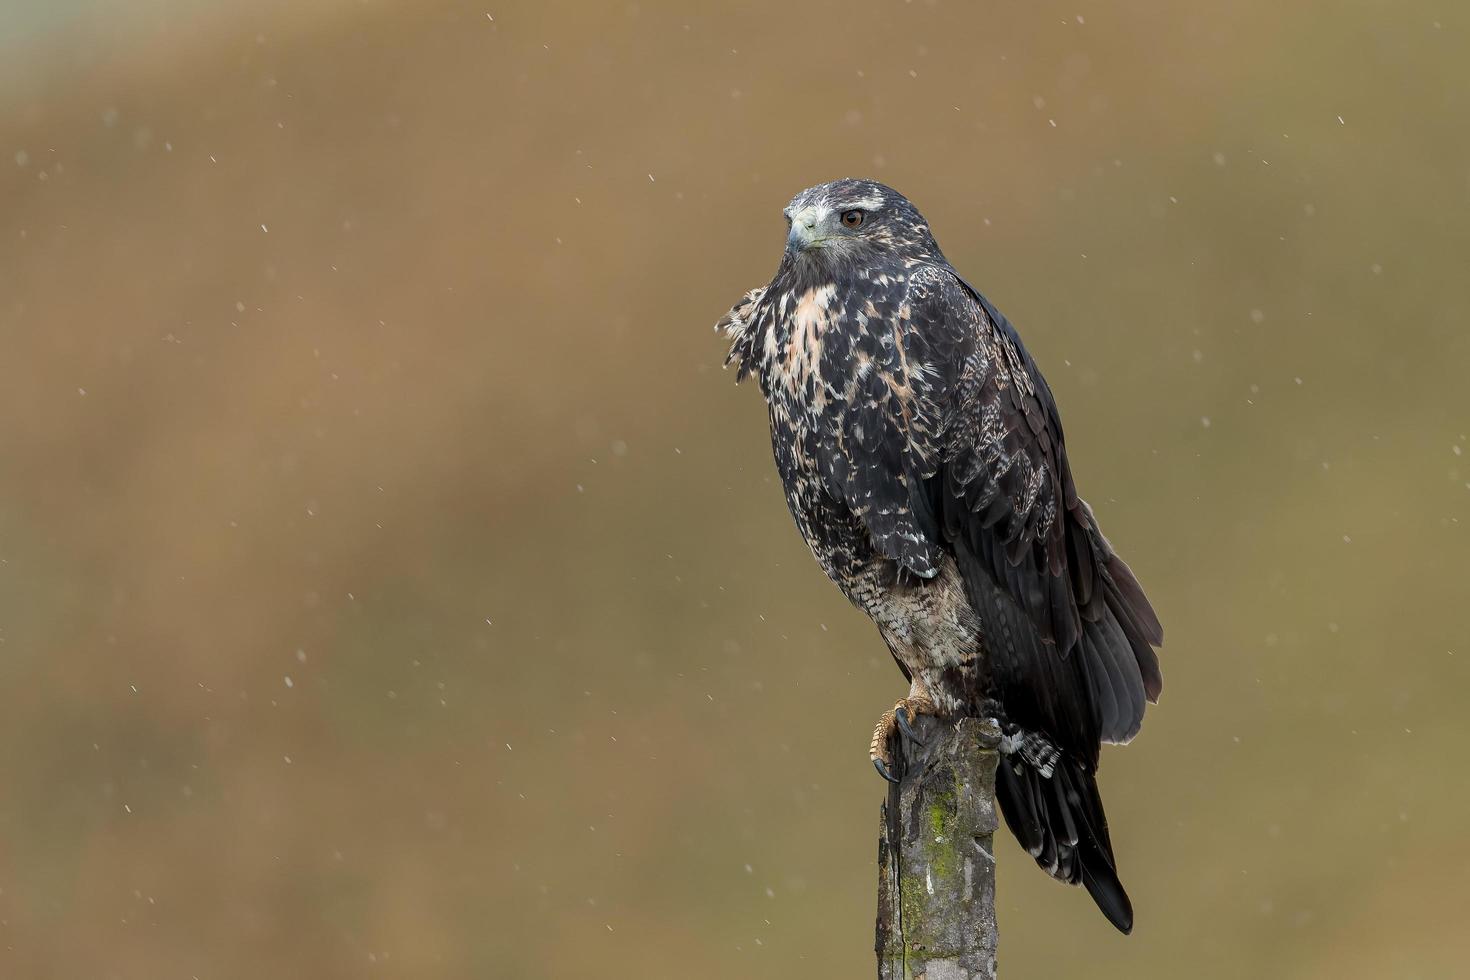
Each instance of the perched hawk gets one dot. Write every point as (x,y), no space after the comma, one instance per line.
(922,458)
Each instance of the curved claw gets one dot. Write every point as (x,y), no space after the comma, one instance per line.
(882,768)
(901,716)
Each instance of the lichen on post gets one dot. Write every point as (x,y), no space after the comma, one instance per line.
(936,863)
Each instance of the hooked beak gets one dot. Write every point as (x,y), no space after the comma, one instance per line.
(803,234)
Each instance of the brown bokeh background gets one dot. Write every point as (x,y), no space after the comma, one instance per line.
(392,584)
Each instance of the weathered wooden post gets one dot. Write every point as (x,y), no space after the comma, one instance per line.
(936,863)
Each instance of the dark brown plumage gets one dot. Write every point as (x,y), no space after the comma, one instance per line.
(923,460)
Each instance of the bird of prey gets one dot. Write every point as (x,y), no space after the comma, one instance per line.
(922,457)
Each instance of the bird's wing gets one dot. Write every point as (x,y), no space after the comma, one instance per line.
(1004,502)
(941,435)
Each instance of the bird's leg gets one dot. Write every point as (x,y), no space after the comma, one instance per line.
(898,721)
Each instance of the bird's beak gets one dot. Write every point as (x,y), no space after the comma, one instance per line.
(803,232)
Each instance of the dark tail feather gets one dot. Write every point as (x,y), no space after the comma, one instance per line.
(1107,891)
(1059,819)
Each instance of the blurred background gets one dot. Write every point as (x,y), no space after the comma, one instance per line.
(393,584)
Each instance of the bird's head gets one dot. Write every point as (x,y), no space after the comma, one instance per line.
(852,220)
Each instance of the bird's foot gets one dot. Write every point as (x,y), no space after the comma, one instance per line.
(898,721)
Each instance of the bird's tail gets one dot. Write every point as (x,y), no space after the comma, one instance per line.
(1052,805)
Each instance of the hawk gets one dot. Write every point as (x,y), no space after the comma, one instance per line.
(922,457)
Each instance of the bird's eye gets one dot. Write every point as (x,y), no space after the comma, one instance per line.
(853,218)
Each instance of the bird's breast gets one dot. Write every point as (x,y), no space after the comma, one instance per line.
(795,347)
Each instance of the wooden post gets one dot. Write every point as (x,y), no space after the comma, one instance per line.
(936,863)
